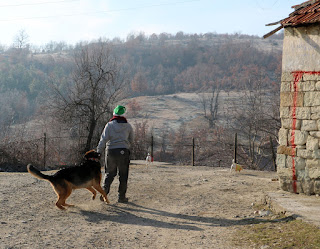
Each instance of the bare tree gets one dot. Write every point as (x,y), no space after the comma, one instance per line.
(98,82)
(255,121)
(210,105)
(140,144)
(21,39)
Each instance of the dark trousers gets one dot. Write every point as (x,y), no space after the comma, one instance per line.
(117,160)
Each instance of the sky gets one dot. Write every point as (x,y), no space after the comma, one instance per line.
(73,21)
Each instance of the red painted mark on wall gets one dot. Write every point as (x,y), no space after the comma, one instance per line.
(297,76)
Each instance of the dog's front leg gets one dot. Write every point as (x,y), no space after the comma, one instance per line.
(91,189)
(102,192)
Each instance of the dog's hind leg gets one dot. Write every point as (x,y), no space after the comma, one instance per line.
(60,191)
(61,203)
(61,200)
(68,193)
(92,191)
(63,194)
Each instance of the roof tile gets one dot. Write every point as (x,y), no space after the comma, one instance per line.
(305,13)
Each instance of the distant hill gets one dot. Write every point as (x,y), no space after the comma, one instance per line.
(267,45)
(161,64)
(171,111)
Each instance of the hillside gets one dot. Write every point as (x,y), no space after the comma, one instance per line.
(164,62)
(173,110)
(266,45)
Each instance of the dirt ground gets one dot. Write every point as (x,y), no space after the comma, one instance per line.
(169,207)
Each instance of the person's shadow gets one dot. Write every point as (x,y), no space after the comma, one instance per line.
(129,214)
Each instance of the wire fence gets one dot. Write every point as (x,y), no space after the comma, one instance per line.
(44,152)
(55,152)
(215,152)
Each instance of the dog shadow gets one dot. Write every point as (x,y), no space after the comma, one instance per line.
(137,215)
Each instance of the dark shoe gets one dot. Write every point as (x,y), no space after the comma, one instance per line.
(123,199)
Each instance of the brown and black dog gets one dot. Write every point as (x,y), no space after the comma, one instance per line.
(86,175)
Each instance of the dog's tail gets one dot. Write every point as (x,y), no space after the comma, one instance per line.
(36,173)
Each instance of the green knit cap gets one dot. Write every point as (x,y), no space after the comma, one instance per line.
(119,110)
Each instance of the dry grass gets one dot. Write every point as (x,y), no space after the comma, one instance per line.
(280,233)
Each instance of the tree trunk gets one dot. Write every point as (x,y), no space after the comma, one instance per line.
(92,126)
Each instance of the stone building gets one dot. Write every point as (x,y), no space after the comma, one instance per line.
(298,153)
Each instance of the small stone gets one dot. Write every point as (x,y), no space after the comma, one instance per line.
(264,212)
(264,247)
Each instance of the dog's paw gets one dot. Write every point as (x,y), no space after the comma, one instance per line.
(61,207)
(104,199)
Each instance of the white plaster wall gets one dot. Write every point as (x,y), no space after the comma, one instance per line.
(301,49)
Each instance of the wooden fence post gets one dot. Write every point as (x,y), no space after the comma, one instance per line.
(235,147)
(273,155)
(151,152)
(44,148)
(192,153)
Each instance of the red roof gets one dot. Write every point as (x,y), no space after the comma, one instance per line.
(305,13)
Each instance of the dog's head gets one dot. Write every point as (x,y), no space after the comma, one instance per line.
(92,155)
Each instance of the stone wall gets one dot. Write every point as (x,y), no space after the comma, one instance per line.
(298,153)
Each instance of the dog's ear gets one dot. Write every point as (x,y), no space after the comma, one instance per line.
(89,153)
